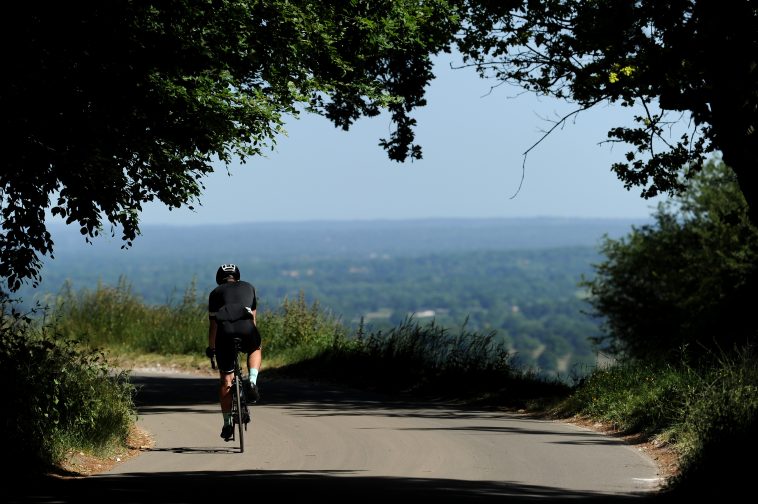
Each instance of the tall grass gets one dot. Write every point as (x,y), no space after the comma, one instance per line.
(708,414)
(427,359)
(113,317)
(116,318)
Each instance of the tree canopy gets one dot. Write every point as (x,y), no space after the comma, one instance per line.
(691,62)
(109,105)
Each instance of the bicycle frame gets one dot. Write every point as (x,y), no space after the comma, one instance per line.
(240,412)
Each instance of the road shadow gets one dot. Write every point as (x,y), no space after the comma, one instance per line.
(162,393)
(191,487)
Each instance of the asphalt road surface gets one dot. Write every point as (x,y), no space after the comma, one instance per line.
(321,443)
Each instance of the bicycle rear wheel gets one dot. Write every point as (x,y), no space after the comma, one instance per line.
(238,411)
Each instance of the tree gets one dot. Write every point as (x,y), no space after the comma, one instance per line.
(684,282)
(693,59)
(109,105)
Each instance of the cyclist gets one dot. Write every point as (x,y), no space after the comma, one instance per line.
(232,314)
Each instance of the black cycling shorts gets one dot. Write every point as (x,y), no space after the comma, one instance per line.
(250,341)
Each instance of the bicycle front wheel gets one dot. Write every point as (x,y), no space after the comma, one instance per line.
(238,413)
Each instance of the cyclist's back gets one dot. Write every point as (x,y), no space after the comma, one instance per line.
(231,304)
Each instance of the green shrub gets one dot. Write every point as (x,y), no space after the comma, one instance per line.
(59,395)
(689,280)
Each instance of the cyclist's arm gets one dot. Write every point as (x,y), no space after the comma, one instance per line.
(212,332)
(253,312)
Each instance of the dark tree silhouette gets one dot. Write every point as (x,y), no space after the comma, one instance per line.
(109,105)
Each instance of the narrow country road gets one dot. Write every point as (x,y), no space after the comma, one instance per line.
(325,443)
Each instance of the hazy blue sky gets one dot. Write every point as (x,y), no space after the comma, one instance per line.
(473,146)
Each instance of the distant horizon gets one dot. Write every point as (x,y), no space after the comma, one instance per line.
(339,236)
(543,218)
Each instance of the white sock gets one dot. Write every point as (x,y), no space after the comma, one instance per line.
(253,375)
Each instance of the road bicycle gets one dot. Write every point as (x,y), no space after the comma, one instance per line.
(240,411)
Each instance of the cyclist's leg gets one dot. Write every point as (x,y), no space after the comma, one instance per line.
(225,358)
(251,344)
(225,391)
(254,353)
(254,360)
(225,400)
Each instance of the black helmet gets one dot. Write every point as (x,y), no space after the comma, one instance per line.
(227,270)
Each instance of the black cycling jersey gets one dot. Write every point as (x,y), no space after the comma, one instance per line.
(230,304)
(240,292)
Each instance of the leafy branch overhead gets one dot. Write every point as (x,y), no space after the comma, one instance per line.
(689,63)
(111,105)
